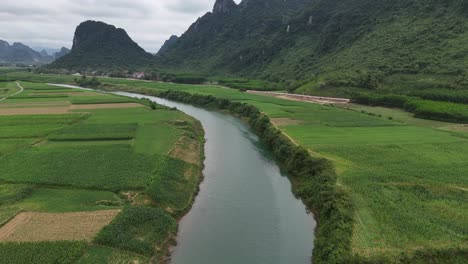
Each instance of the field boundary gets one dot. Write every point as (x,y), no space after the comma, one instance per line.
(21,90)
(10,218)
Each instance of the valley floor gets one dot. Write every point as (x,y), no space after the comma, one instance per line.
(406,177)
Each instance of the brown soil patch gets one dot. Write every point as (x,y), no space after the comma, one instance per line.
(34,104)
(47,94)
(303,98)
(187,150)
(34,111)
(105,106)
(83,94)
(34,227)
(285,121)
(66,93)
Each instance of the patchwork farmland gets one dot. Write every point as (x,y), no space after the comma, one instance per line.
(73,160)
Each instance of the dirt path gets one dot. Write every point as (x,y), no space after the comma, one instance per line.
(303,98)
(20,91)
(33,111)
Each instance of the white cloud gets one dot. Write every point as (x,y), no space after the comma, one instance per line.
(51,23)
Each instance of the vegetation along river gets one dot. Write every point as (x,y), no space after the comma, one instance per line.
(245,211)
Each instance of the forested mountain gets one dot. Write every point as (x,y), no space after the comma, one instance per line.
(167,44)
(18,53)
(296,39)
(99,46)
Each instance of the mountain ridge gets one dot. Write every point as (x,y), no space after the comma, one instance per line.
(19,53)
(100,46)
(325,37)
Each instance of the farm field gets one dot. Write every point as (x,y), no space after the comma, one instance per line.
(72,160)
(406,176)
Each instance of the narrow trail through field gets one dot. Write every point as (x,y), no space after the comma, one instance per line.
(20,91)
(303,98)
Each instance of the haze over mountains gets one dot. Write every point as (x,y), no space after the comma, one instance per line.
(18,53)
(294,39)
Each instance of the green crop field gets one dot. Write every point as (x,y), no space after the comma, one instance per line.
(86,132)
(93,159)
(69,200)
(42,252)
(100,254)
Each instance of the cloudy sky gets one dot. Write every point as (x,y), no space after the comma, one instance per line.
(51,23)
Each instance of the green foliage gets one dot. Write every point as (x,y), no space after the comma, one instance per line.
(170,187)
(86,132)
(248,84)
(442,111)
(10,192)
(88,82)
(41,252)
(444,95)
(362,79)
(138,229)
(361,39)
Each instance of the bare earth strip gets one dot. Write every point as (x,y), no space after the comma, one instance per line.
(33,111)
(303,98)
(34,227)
(285,121)
(186,149)
(105,106)
(65,93)
(35,104)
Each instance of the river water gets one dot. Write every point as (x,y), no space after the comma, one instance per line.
(245,211)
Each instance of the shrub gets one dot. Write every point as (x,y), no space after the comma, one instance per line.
(138,229)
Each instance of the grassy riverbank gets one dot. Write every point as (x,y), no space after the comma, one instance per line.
(81,158)
(403,176)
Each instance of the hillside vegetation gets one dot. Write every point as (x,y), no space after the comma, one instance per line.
(325,37)
(99,46)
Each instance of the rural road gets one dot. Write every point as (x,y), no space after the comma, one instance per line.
(21,90)
(303,98)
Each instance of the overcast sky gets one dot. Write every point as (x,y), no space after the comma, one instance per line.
(51,23)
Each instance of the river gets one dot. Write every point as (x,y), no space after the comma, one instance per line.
(245,212)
